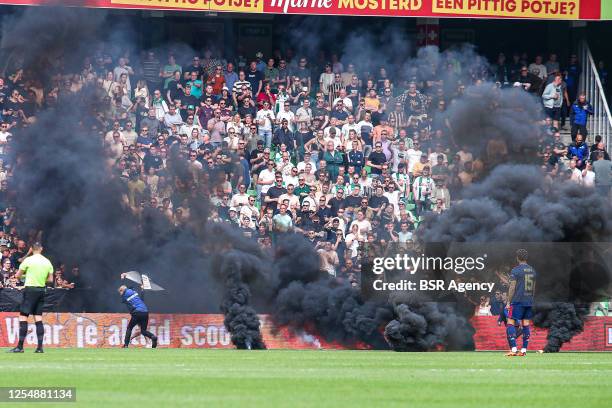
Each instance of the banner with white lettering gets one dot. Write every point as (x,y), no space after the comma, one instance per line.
(517,9)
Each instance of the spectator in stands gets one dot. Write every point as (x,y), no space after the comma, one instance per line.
(528,81)
(579,113)
(350,164)
(579,151)
(602,168)
(553,99)
(539,69)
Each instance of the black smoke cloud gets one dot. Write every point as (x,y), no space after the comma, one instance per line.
(307,298)
(59,34)
(81,209)
(65,189)
(486,114)
(563,321)
(424,326)
(517,203)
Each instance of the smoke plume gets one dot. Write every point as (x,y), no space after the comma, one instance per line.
(517,203)
(425,326)
(562,320)
(309,299)
(65,188)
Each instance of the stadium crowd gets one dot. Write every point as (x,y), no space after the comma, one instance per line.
(353,159)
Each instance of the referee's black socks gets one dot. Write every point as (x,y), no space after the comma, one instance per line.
(40,333)
(23,331)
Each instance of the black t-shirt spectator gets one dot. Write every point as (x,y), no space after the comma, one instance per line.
(275,192)
(320,113)
(384,235)
(151,161)
(335,204)
(352,201)
(352,93)
(324,213)
(377,158)
(187,100)
(175,91)
(243,111)
(303,137)
(254,78)
(191,68)
(376,201)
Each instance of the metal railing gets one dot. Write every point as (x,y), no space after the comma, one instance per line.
(590,84)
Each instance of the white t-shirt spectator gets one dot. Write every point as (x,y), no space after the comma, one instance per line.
(239,199)
(348,127)
(348,104)
(326,80)
(130,136)
(541,68)
(186,129)
(290,116)
(576,176)
(266,176)
(293,199)
(267,116)
(364,226)
(414,156)
(3,139)
(588,178)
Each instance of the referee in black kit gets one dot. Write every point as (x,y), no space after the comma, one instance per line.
(38,271)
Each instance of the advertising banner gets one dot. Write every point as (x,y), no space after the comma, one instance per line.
(97,330)
(517,9)
(173,331)
(597,335)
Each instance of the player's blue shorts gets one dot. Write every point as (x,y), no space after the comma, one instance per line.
(520,311)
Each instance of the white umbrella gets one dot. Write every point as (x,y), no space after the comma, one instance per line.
(143,280)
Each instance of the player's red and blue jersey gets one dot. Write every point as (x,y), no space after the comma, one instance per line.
(525,277)
(133,301)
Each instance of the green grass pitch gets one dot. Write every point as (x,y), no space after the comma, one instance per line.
(283,378)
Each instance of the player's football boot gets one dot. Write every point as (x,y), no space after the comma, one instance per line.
(154,341)
(512,354)
(15,350)
(521,354)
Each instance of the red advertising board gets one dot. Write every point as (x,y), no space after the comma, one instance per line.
(597,335)
(96,330)
(92,330)
(529,9)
